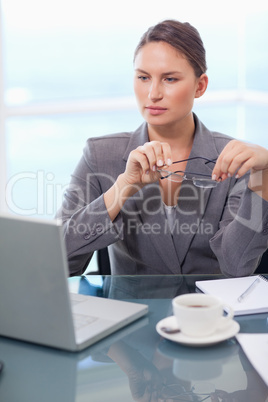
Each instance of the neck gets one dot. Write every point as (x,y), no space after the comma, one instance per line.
(180,136)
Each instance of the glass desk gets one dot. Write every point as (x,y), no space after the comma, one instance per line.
(135,363)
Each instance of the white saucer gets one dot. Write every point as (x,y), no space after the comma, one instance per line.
(218,336)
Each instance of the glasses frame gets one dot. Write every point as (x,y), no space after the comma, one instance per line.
(169,174)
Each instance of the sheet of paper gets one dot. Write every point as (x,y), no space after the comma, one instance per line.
(255,346)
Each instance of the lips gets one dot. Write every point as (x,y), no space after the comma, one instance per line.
(155,110)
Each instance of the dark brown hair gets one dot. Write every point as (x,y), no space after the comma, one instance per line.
(183,37)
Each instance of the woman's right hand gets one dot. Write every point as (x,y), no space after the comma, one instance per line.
(143,162)
(141,169)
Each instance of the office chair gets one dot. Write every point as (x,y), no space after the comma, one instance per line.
(104,267)
(263,265)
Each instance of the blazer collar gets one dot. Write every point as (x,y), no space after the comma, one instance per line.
(137,138)
(203,144)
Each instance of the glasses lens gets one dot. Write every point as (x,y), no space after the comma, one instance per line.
(165,174)
(204,183)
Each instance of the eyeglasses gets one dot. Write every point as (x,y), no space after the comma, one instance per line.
(199,392)
(198,179)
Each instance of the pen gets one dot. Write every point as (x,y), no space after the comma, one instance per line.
(248,290)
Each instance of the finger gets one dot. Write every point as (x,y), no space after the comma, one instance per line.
(159,153)
(140,158)
(148,151)
(234,154)
(238,165)
(224,162)
(163,153)
(243,160)
(244,169)
(219,172)
(167,153)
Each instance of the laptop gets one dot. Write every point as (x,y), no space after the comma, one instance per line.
(36,305)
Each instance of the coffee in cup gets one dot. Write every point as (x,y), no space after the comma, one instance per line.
(200,315)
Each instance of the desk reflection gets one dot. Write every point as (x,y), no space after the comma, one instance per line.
(179,373)
(148,287)
(135,363)
(159,370)
(34,373)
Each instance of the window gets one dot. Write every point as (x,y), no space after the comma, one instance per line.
(66,75)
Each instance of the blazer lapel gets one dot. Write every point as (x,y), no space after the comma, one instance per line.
(152,214)
(189,217)
(193,200)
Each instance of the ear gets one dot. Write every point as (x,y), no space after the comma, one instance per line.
(202,84)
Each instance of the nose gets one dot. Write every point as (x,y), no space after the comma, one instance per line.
(155,92)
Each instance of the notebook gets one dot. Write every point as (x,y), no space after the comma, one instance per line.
(36,305)
(246,295)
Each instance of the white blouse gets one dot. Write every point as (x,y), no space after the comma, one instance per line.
(170,211)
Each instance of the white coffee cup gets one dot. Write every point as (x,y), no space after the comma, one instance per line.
(200,315)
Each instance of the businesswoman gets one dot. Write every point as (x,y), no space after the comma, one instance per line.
(172,197)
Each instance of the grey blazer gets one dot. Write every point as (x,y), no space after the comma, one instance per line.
(220,230)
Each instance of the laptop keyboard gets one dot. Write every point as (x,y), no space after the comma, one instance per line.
(74,302)
(81,320)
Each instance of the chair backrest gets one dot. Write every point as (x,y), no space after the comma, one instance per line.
(263,265)
(103,262)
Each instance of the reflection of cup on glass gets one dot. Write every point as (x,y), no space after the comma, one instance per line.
(199,314)
(207,364)
(197,369)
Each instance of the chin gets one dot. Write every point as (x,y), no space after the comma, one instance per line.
(156,120)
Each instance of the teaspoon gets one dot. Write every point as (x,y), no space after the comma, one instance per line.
(169,330)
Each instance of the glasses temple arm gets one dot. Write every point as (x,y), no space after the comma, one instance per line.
(197,157)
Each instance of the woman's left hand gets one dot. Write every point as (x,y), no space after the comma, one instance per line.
(237,158)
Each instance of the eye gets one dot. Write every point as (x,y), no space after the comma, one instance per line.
(143,78)
(171,79)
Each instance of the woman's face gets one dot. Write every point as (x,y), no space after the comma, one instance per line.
(165,84)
